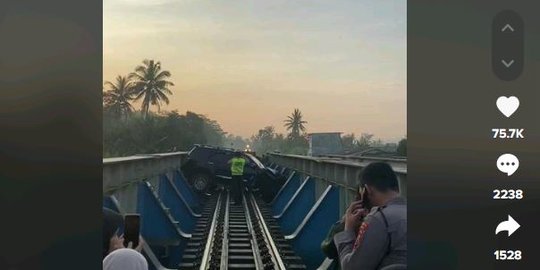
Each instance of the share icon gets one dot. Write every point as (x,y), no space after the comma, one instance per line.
(509,225)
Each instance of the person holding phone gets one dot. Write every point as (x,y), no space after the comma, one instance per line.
(375,231)
(113,225)
(328,246)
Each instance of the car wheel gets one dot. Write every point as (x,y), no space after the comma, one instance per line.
(200,182)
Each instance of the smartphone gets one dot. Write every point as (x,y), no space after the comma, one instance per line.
(360,193)
(131,230)
(362,196)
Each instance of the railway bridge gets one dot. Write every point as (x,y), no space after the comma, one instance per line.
(184,230)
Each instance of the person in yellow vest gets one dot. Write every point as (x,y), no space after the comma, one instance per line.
(237,172)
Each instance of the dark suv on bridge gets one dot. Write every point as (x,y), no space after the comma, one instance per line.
(207,166)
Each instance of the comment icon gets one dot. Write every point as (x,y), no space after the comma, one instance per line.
(508,164)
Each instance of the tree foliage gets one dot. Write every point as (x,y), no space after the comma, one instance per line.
(268,140)
(365,140)
(158,133)
(236,142)
(295,124)
(402,147)
(118,96)
(151,85)
(349,141)
(128,132)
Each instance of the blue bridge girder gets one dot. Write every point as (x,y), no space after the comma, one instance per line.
(315,195)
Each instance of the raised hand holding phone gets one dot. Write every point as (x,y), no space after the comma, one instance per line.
(116,242)
(354,215)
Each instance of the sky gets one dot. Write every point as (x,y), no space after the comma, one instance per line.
(249,64)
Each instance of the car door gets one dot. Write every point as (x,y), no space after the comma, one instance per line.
(220,163)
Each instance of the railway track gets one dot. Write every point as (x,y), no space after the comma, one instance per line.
(238,236)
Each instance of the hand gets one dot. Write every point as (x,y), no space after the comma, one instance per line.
(354,215)
(139,247)
(115,243)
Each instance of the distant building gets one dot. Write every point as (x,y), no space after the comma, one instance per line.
(325,143)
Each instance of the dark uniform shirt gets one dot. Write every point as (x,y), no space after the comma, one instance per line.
(380,241)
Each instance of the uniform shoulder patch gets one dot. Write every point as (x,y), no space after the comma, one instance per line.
(360,234)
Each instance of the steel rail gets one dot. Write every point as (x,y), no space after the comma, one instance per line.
(276,257)
(205,262)
(225,242)
(254,245)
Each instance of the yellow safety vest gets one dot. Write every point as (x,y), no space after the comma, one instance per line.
(237,166)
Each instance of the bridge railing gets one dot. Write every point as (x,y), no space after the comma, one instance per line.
(338,170)
(121,175)
(394,161)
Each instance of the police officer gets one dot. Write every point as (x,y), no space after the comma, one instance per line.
(237,172)
(380,240)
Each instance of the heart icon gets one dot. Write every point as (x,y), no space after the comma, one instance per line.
(508,105)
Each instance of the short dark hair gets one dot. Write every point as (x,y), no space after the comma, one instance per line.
(380,176)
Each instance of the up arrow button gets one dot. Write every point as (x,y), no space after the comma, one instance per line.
(507,28)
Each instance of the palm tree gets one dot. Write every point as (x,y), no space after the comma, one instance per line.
(295,124)
(151,85)
(117,97)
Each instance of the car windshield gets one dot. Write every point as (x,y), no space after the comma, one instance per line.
(255,160)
